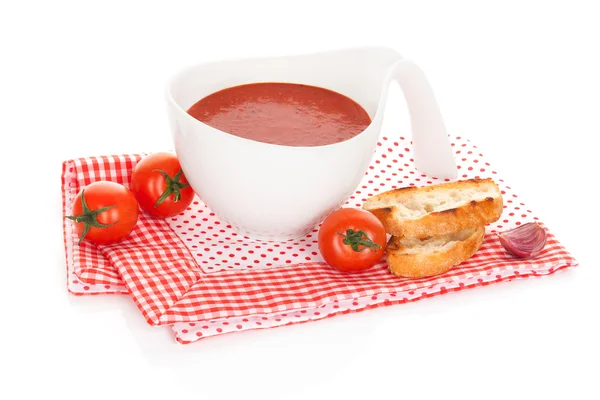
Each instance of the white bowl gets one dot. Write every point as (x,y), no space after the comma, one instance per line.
(272,192)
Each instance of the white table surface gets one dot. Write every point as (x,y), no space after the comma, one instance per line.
(521,80)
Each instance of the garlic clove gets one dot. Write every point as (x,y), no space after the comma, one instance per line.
(525,241)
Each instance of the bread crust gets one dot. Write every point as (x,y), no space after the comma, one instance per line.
(431,263)
(436,223)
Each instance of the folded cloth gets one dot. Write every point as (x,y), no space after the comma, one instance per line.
(88,271)
(194,273)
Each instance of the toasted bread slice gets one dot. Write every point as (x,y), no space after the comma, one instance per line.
(420,258)
(435,210)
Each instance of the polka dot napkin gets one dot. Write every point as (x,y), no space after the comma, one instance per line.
(196,275)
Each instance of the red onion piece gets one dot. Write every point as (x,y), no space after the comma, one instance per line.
(525,241)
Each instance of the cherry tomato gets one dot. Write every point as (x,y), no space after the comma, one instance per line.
(104,212)
(160,186)
(352,240)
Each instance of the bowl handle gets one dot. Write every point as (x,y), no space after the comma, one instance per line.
(431,145)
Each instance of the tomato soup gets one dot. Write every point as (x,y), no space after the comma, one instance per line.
(283,113)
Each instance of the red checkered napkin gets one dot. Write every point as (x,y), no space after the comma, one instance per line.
(195,273)
(88,271)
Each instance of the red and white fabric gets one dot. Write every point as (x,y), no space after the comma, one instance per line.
(194,273)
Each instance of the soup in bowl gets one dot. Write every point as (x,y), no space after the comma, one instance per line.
(272,146)
(286,114)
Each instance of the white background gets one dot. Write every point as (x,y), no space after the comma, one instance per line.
(521,79)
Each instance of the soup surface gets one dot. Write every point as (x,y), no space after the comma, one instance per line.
(283,113)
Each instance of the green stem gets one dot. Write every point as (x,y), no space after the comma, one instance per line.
(355,239)
(89,218)
(174,186)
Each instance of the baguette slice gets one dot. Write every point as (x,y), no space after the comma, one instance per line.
(435,210)
(420,258)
